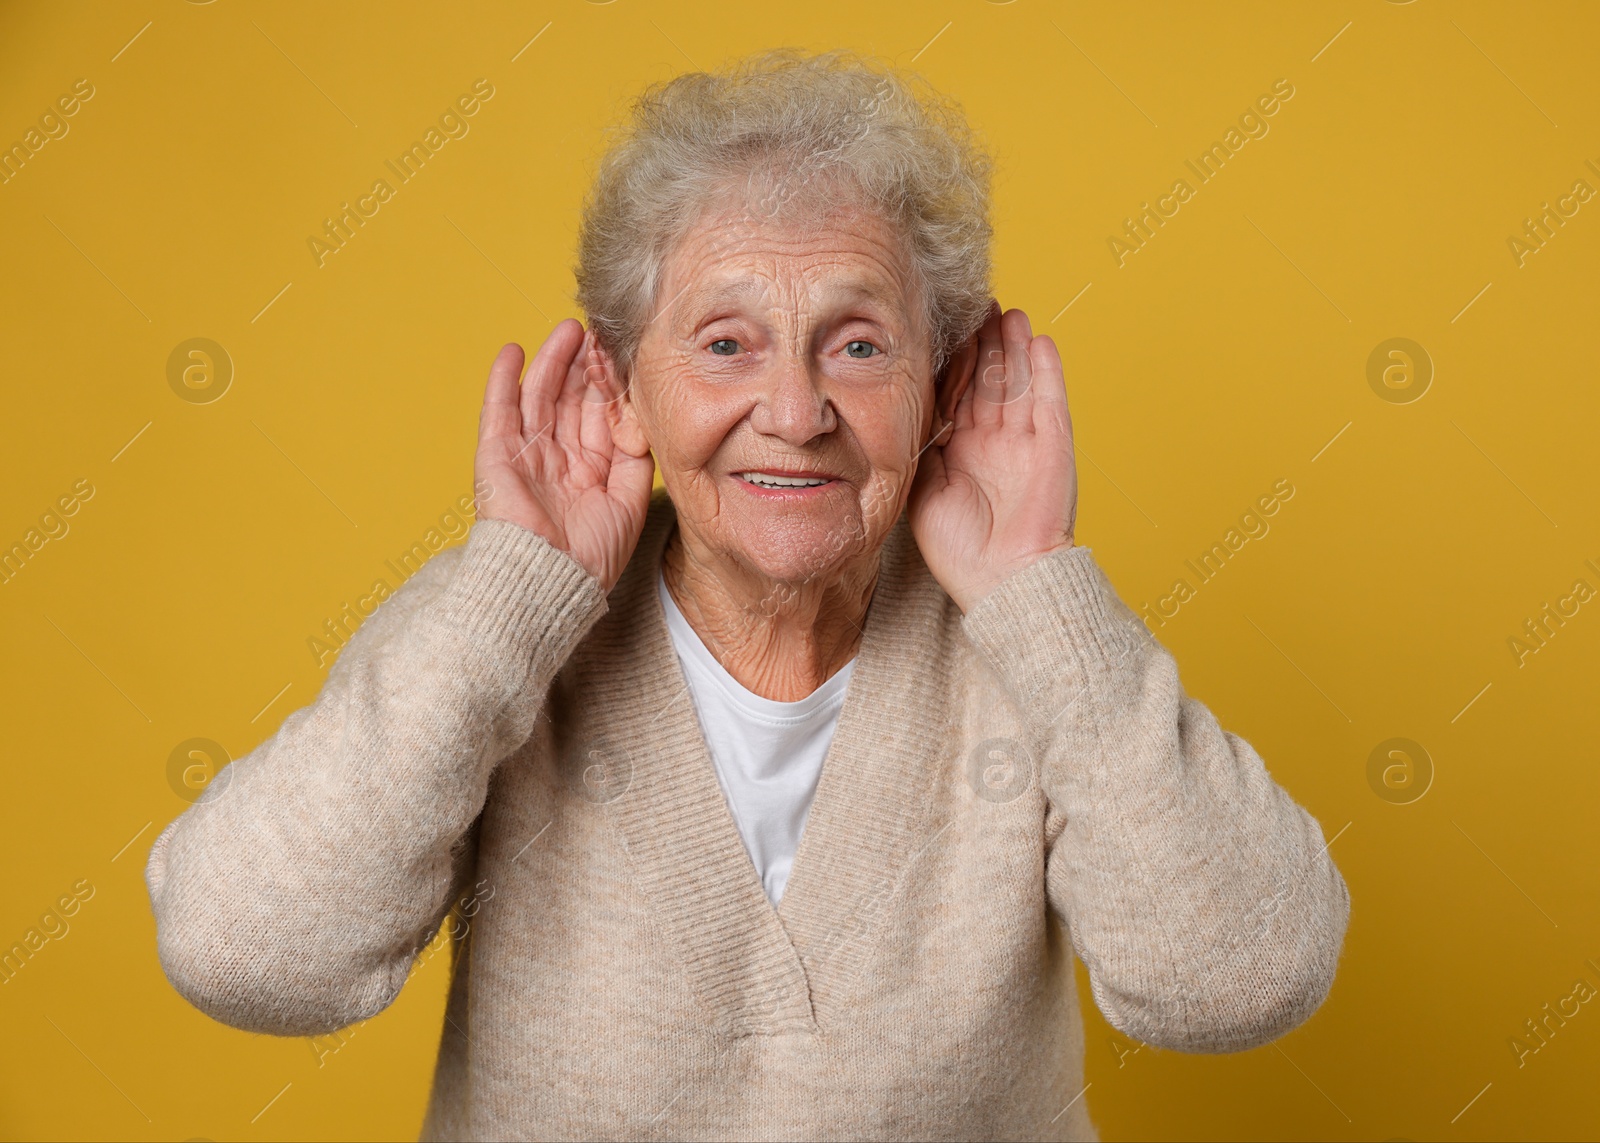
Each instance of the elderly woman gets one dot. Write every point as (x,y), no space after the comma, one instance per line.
(775,806)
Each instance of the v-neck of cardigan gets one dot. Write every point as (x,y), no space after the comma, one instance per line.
(760,969)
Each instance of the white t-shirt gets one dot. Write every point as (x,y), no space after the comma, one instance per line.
(767,754)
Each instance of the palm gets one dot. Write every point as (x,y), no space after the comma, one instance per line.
(547,458)
(1001,491)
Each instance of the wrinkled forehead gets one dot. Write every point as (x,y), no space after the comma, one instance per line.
(818,257)
(817,285)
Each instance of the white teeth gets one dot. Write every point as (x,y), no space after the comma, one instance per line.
(766,480)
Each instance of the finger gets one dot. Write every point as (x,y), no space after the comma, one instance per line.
(1050,412)
(547,375)
(569,400)
(988,384)
(594,429)
(1016,333)
(930,476)
(502,414)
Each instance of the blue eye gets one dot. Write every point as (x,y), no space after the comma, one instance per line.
(862,349)
(725,347)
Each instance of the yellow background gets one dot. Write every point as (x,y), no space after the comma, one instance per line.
(1222,357)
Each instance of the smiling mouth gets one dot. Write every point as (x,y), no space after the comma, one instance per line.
(776,480)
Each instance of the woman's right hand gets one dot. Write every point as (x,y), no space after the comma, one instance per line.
(549,460)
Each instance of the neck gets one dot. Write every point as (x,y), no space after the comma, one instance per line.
(778,639)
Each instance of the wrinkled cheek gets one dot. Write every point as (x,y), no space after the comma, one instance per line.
(687,424)
(895,443)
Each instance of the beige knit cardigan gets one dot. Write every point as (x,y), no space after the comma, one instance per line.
(503,747)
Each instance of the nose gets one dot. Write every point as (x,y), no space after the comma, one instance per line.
(793,406)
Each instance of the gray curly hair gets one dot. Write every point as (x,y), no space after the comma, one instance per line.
(789,132)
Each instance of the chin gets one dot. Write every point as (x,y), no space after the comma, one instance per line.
(796,544)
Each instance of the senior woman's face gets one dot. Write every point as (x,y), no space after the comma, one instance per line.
(786,388)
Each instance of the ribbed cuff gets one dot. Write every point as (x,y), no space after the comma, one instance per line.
(1054,623)
(516,592)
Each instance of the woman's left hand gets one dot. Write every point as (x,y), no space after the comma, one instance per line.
(1001,489)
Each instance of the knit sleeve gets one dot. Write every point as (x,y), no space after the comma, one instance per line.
(293,897)
(1199,895)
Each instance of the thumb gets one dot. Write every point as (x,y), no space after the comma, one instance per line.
(931,474)
(631,477)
